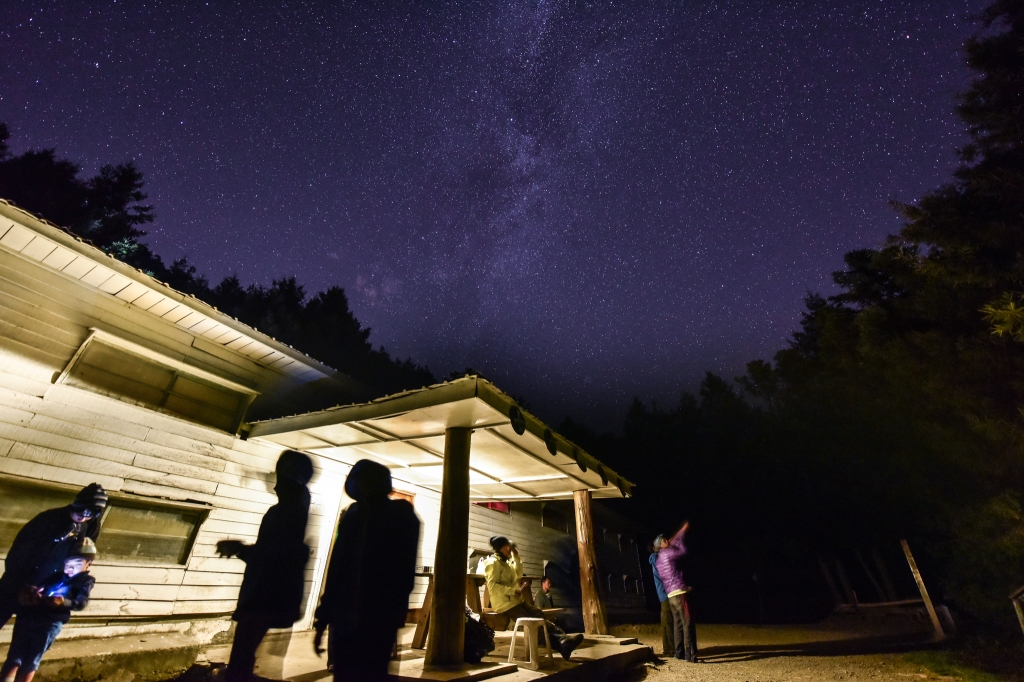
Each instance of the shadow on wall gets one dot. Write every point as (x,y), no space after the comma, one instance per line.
(564,570)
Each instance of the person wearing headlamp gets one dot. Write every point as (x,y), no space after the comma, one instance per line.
(44,543)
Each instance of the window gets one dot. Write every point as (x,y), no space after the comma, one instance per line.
(148,532)
(136,530)
(554,518)
(117,368)
(502,507)
(22,502)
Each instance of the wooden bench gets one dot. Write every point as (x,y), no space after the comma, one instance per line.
(474,581)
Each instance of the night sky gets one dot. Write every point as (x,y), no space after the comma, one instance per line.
(583,201)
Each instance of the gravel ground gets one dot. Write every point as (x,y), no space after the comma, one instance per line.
(844,648)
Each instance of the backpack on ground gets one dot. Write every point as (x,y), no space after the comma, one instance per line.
(479,639)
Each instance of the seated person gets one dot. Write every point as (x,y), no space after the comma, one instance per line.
(543,598)
(504,573)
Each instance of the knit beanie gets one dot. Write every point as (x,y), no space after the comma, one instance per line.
(84,549)
(92,496)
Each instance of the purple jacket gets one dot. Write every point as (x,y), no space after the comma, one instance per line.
(668,567)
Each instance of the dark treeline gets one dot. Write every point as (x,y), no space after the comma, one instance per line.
(896,410)
(109,211)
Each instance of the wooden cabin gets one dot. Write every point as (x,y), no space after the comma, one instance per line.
(108,375)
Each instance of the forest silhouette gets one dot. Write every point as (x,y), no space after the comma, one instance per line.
(895,411)
(109,211)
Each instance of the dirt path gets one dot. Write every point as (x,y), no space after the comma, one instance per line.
(846,649)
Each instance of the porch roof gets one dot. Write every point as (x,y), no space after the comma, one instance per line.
(513,456)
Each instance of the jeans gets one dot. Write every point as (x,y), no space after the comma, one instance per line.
(668,642)
(684,630)
(32,637)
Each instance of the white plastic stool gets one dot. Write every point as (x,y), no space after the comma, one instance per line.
(532,628)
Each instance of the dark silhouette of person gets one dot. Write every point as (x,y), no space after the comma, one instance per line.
(42,544)
(366,593)
(271,592)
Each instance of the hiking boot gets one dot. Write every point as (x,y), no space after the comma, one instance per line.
(569,644)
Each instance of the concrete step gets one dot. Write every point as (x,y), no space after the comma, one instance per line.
(131,658)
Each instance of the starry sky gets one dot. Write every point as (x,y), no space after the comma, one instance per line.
(583,201)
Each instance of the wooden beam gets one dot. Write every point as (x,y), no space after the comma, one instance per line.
(845,582)
(890,591)
(939,634)
(831,583)
(419,636)
(1020,612)
(594,619)
(871,576)
(447,612)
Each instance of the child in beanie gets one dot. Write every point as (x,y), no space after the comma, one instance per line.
(43,610)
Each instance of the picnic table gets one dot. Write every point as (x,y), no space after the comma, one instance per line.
(474,581)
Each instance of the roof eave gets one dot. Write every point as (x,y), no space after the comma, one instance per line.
(82,247)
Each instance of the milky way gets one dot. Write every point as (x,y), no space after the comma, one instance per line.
(583,201)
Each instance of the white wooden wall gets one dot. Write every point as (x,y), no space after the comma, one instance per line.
(535,542)
(62,434)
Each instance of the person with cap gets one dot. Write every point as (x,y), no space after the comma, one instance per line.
(503,572)
(371,574)
(272,586)
(667,637)
(43,611)
(668,567)
(41,546)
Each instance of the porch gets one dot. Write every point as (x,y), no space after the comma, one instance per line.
(468,442)
(598,658)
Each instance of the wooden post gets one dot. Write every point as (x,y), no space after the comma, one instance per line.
(473,594)
(939,634)
(594,620)
(871,576)
(890,591)
(845,582)
(419,636)
(1016,598)
(447,612)
(831,583)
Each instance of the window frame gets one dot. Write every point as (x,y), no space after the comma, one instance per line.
(545,508)
(180,368)
(129,500)
(141,502)
(486,504)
